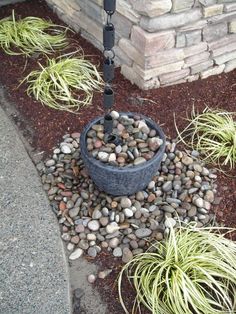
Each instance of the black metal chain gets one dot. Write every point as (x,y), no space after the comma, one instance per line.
(108,65)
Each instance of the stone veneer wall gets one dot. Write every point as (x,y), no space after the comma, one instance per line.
(161,42)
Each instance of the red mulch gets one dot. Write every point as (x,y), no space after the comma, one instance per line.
(48,126)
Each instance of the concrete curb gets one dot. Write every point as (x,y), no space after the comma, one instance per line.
(33,268)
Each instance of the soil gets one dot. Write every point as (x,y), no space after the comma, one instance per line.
(45,127)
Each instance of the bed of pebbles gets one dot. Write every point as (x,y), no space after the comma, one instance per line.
(137,142)
(182,190)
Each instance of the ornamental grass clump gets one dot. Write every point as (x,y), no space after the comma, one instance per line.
(65,83)
(31,35)
(193,271)
(213,134)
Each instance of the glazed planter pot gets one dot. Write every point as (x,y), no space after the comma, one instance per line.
(121,180)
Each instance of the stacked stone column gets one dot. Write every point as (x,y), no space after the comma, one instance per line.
(161,42)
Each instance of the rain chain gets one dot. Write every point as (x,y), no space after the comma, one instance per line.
(108,65)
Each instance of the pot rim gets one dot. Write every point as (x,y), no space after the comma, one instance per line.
(132,169)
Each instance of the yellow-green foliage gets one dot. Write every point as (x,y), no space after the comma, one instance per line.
(193,271)
(65,83)
(30,35)
(213,134)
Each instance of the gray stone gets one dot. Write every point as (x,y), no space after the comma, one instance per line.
(174,77)
(201,66)
(214,32)
(143,233)
(125,202)
(117,252)
(231,65)
(225,57)
(168,209)
(139,161)
(214,71)
(152,8)
(92,252)
(50,163)
(114,242)
(192,212)
(73,212)
(170,20)
(170,222)
(167,186)
(193,38)
(96,214)
(207,2)
(127,255)
(199,202)
(180,40)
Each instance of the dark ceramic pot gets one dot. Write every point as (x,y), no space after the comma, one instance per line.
(124,180)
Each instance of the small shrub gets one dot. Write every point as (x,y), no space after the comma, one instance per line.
(191,272)
(65,83)
(30,35)
(212,133)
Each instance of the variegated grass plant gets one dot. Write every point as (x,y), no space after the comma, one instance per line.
(213,134)
(193,271)
(65,83)
(31,35)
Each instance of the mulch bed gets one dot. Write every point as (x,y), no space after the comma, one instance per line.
(48,126)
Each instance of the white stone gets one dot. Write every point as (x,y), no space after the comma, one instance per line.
(174,76)
(70,247)
(112,157)
(76,254)
(201,66)
(231,65)
(65,149)
(93,225)
(229,7)
(103,156)
(214,71)
(193,78)
(225,57)
(112,227)
(114,114)
(148,74)
(91,278)
(91,237)
(128,212)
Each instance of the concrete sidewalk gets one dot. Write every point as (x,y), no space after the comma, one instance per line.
(33,268)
